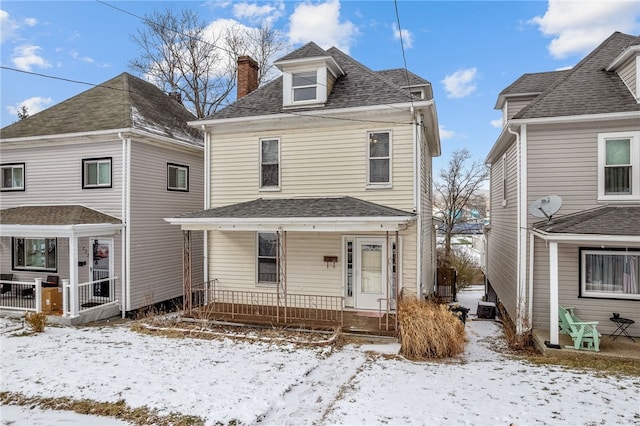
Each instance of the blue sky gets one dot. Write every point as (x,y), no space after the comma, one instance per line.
(468,50)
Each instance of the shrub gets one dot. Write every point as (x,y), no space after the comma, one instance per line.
(36,320)
(467,269)
(429,330)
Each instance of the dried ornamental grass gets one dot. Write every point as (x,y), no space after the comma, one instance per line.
(429,330)
(36,320)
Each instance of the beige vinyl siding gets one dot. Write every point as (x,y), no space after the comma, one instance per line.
(313,162)
(53,175)
(628,73)
(232,262)
(588,309)
(503,236)
(156,245)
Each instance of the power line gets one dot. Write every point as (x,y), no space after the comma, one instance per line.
(404,58)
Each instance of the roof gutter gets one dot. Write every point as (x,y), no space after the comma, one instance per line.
(586,238)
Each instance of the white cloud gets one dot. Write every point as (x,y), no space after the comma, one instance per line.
(8,26)
(320,22)
(496,123)
(446,134)
(34,105)
(255,13)
(30,22)
(407,37)
(579,26)
(461,83)
(26,56)
(75,55)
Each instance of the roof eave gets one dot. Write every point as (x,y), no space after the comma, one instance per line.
(585,238)
(61,231)
(622,57)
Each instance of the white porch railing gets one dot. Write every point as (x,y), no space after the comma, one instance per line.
(21,295)
(87,296)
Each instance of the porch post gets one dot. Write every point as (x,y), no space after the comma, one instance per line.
(186,270)
(553,293)
(73,277)
(38,293)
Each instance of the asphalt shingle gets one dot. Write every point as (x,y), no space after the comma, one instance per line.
(54,215)
(606,220)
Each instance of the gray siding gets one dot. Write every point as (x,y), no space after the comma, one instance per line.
(503,236)
(156,246)
(515,104)
(628,73)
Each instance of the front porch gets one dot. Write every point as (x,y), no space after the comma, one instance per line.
(620,348)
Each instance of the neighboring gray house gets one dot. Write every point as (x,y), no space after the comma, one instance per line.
(574,134)
(85,186)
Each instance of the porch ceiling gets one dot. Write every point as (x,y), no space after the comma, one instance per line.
(339,214)
(56,221)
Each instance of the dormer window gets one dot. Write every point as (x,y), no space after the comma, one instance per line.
(304,86)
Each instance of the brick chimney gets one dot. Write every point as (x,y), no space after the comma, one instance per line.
(247,75)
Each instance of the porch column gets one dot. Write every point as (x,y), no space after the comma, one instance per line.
(73,278)
(186,270)
(38,294)
(553,293)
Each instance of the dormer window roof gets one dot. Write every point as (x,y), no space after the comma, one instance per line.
(308,77)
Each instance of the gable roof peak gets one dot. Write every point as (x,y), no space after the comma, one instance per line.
(309,50)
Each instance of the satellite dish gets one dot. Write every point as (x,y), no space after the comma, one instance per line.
(546,206)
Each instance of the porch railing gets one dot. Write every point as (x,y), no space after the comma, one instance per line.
(21,295)
(290,307)
(90,295)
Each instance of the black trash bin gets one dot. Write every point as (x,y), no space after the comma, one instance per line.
(460,311)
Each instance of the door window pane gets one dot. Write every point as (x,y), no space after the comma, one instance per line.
(371,257)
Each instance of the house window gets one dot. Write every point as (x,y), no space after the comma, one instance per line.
(177,177)
(504,180)
(269,163)
(619,166)
(35,254)
(304,85)
(379,158)
(268,257)
(12,177)
(611,274)
(96,173)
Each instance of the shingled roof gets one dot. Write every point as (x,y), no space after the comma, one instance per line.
(360,86)
(124,102)
(530,84)
(299,207)
(54,215)
(587,88)
(606,220)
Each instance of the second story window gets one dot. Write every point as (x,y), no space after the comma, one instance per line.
(379,150)
(269,163)
(12,177)
(619,166)
(304,85)
(177,177)
(96,172)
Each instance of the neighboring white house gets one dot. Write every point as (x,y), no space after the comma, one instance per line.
(318,185)
(85,187)
(574,134)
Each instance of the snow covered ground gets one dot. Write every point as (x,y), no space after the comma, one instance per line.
(281,384)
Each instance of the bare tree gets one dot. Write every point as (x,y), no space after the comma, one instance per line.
(23,112)
(181,54)
(456,187)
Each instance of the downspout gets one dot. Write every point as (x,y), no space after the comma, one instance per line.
(417,200)
(521,289)
(207,200)
(125,235)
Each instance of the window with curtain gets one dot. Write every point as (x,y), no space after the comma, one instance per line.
(267,257)
(12,176)
(610,274)
(379,158)
(96,173)
(35,254)
(269,163)
(177,177)
(619,166)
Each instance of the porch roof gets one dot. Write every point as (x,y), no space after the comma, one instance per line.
(328,214)
(56,221)
(606,223)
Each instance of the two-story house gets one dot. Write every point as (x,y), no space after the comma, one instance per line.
(318,187)
(85,185)
(565,193)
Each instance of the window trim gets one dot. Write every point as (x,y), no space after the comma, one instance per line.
(13,166)
(583,293)
(279,163)
(634,138)
(257,245)
(321,85)
(178,167)
(31,268)
(97,160)
(380,185)
(307,86)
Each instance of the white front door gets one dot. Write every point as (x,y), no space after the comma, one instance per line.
(101,267)
(371,272)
